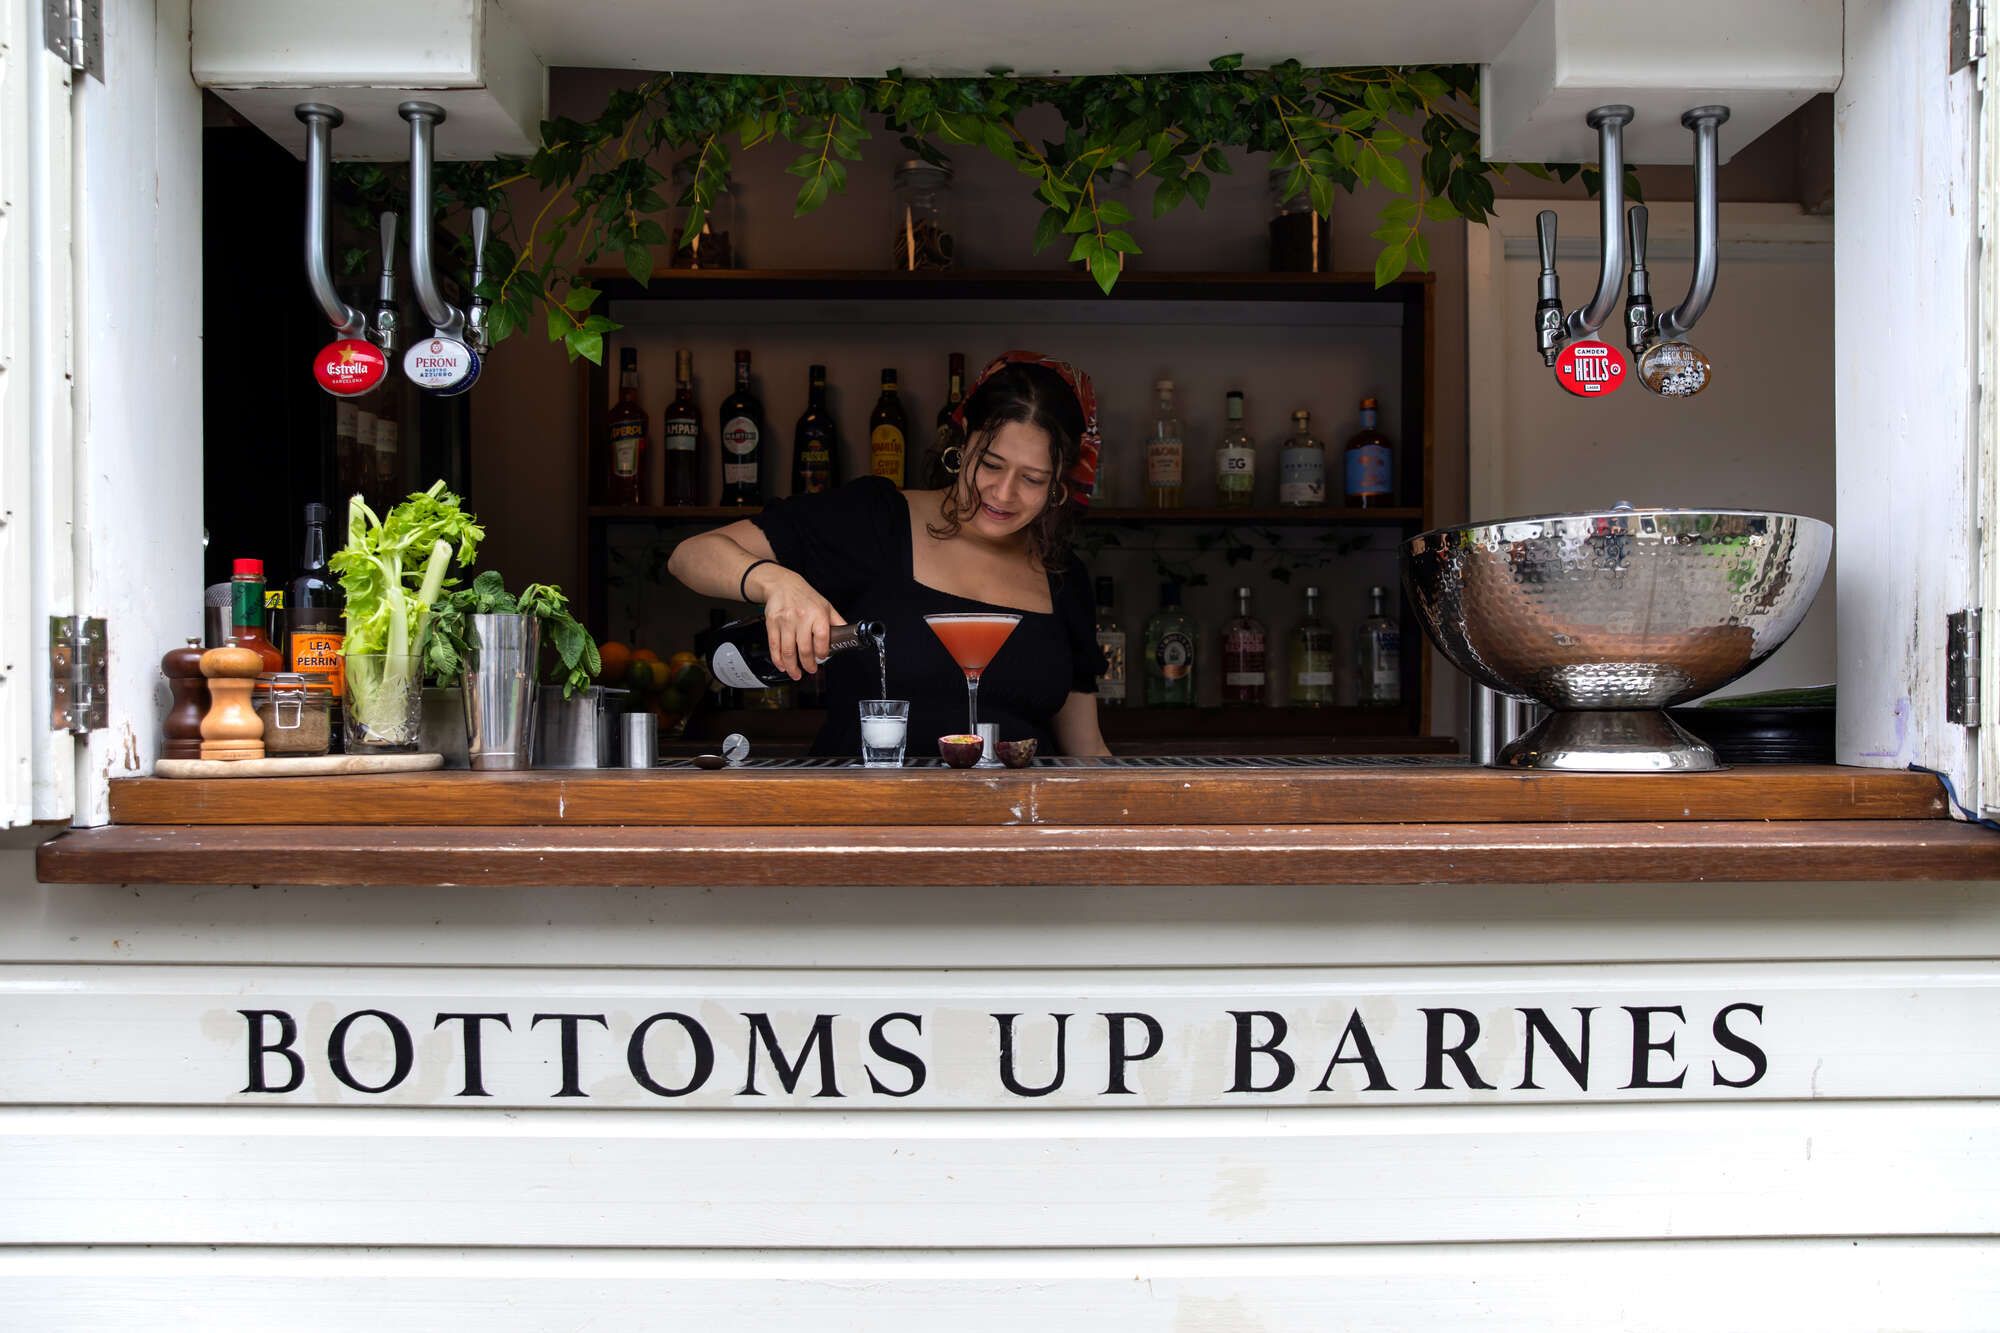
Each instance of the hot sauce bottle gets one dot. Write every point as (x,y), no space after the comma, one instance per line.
(246,613)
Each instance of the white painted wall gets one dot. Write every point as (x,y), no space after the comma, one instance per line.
(139,1182)
(1760,437)
(1904,326)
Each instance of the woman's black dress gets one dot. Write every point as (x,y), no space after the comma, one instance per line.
(853,544)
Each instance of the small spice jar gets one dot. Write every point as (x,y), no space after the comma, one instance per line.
(1300,238)
(923,238)
(297,713)
(711,247)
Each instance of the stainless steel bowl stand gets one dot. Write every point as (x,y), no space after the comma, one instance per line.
(1624,740)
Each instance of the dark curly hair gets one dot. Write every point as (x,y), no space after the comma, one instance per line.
(1035,396)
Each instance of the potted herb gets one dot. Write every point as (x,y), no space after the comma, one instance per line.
(466,619)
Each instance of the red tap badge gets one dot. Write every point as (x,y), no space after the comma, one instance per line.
(1591,369)
(349,367)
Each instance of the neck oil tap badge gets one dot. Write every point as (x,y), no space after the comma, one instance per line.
(441,365)
(1591,369)
(350,367)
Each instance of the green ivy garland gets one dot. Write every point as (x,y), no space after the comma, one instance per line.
(1334,129)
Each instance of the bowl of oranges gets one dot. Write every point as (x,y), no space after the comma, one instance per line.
(669,688)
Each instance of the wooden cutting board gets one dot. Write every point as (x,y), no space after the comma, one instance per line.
(318,766)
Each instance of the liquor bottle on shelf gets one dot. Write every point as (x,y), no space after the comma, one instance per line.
(1302,465)
(1165,452)
(1369,466)
(1311,664)
(680,437)
(1111,646)
(1378,655)
(1170,653)
(1235,459)
(739,653)
(815,441)
(948,436)
(888,432)
(1243,643)
(742,440)
(625,430)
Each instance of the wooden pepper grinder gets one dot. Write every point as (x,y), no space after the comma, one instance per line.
(181,731)
(231,729)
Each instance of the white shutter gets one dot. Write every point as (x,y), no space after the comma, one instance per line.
(37,765)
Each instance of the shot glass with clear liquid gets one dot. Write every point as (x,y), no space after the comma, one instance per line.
(885,730)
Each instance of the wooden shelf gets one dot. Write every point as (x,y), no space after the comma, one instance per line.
(1321,516)
(720,859)
(1003,285)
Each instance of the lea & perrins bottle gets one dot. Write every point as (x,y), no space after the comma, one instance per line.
(888,432)
(318,627)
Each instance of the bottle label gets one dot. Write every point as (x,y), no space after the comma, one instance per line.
(1302,476)
(1244,679)
(628,441)
(729,668)
(885,453)
(316,652)
(1174,655)
(681,437)
(1235,470)
(1111,678)
(1385,662)
(1310,677)
(1368,470)
(1163,462)
(739,436)
(1368,418)
(274,599)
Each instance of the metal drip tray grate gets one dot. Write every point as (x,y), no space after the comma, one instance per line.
(1210,762)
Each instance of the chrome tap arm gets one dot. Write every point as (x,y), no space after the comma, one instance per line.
(319,121)
(1639,328)
(424,118)
(1675,323)
(475,314)
(1549,335)
(384,333)
(1609,122)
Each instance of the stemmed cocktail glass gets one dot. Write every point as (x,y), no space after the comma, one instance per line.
(972,640)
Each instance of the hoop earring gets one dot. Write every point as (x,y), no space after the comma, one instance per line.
(952,459)
(1062,500)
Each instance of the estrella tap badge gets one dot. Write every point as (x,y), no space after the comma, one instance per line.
(440,364)
(350,367)
(1591,369)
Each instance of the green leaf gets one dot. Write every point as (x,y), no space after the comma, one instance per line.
(1085,247)
(1439,210)
(639,263)
(1392,171)
(1167,196)
(1122,242)
(1110,212)
(583,343)
(1400,210)
(1389,265)
(1047,229)
(580,299)
(1224,64)
(1105,267)
(1197,188)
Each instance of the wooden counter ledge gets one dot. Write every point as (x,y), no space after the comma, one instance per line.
(1117,798)
(1608,853)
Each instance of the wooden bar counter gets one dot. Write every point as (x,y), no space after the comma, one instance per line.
(1155,822)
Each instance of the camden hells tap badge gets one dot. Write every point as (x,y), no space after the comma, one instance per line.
(440,364)
(1591,369)
(350,367)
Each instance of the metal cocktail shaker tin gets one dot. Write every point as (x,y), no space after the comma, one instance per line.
(503,652)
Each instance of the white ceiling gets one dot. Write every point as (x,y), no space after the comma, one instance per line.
(1028,36)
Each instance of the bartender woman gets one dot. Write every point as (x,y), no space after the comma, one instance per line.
(996,538)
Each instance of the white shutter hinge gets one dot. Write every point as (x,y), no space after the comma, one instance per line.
(73,30)
(79,692)
(1961,668)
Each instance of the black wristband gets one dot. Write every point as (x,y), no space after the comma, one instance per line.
(743,584)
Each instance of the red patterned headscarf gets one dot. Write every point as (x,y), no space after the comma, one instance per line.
(1083,476)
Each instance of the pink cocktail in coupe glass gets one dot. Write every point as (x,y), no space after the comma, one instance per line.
(972,640)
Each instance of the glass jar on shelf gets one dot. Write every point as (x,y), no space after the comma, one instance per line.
(923,228)
(712,247)
(1301,241)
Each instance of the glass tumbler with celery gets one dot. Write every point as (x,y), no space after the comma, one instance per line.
(394,569)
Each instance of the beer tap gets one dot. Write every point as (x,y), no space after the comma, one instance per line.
(447,362)
(475,314)
(353,363)
(385,289)
(1668,364)
(1640,329)
(1553,329)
